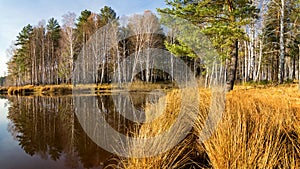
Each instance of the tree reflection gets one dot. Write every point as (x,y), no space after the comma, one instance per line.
(48,127)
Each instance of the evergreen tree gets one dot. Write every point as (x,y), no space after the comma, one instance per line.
(107,15)
(220,20)
(53,36)
(22,57)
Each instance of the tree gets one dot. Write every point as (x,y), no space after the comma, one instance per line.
(12,66)
(221,21)
(145,30)
(67,46)
(53,36)
(107,15)
(281,39)
(281,43)
(23,54)
(40,40)
(84,26)
(107,61)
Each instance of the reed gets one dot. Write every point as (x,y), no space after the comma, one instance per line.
(260,128)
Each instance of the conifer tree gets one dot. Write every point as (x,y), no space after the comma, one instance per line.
(221,21)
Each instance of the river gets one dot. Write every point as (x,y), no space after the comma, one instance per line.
(45,132)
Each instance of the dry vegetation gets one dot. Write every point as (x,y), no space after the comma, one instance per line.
(260,128)
(63,89)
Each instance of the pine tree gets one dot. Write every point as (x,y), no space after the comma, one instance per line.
(53,36)
(107,15)
(23,55)
(221,21)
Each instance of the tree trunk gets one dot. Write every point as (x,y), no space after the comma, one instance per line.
(252,54)
(281,55)
(43,68)
(233,67)
(259,61)
(299,69)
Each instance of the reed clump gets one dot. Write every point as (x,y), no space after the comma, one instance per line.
(259,128)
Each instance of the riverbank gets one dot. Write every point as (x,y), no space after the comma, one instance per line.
(64,89)
(260,128)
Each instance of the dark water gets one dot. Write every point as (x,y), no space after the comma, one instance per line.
(44,132)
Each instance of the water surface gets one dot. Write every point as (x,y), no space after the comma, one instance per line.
(44,132)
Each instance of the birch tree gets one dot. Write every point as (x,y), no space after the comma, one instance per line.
(67,45)
(143,28)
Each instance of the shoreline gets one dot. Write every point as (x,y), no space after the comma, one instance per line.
(66,89)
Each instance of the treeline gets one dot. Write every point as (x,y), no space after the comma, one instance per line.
(48,53)
(45,53)
(256,41)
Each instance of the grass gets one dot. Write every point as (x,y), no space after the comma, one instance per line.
(177,157)
(63,89)
(260,128)
(32,90)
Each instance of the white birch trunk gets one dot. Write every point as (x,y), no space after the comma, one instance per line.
(259,61)
(281,56)
(299,69)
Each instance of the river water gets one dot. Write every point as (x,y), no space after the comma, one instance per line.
(44,132)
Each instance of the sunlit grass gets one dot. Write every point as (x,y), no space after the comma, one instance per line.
(260,128)
(62,89)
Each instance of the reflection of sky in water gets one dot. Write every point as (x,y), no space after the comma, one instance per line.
(12,156)
(5,137)
(3,112)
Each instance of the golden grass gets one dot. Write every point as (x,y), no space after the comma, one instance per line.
(177,157)
(260,128)
(84,88)
(144,86)
(31,89)
(20,90)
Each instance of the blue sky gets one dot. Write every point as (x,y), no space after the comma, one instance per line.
(15,14)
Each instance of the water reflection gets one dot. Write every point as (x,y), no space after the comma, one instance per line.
(49,128)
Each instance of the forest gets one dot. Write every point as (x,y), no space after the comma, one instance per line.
(257,41)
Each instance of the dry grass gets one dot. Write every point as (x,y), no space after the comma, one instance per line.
(143,86)
(260,128)
(154,153)
(81,88)
(20,90)
(182,155)
(31,89)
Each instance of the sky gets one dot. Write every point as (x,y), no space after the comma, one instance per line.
(15,14)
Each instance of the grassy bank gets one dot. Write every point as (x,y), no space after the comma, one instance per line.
(260,128)
(84,88)
(51,89)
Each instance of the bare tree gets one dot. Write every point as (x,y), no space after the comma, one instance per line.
(144,28)
(67,46)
